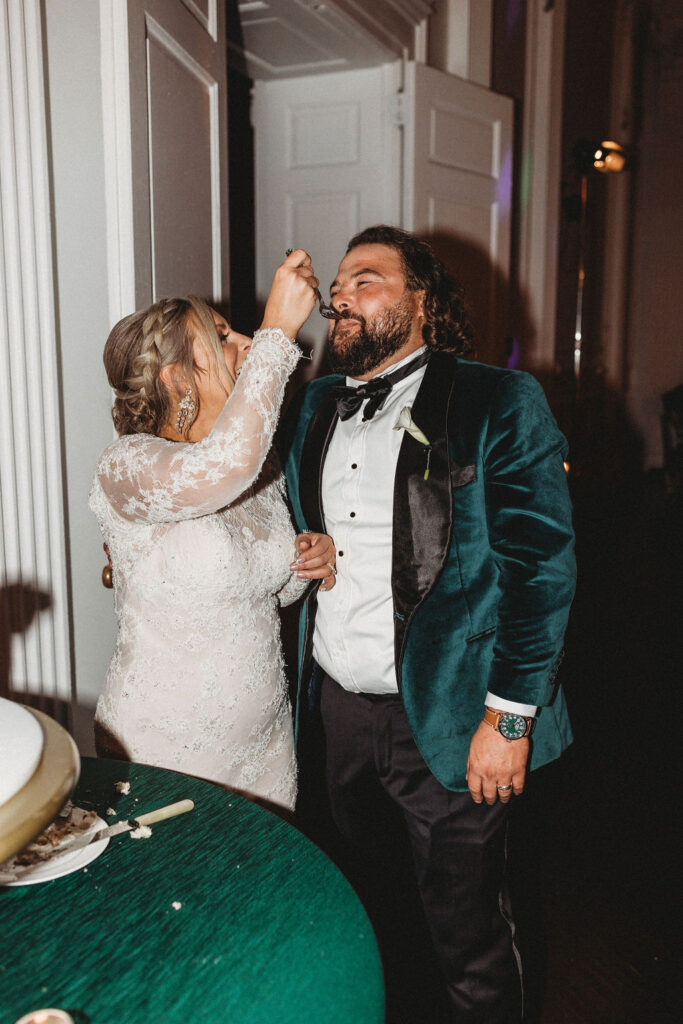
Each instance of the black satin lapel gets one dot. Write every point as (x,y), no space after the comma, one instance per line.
(423,508)
(313,454)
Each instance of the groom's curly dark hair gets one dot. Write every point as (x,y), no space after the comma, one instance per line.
(447,326)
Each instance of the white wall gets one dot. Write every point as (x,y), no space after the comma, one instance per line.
(72,34)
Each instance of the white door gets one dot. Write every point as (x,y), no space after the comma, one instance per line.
(458,189)
(328,163)
(178,148)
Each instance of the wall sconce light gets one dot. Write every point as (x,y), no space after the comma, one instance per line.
(606,157)
(609,158)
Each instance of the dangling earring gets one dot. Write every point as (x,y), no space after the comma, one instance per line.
(186,410)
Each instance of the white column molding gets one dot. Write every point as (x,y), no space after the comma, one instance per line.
(421,42)
(460,34)
(32,510)
(540,176)
(118,170)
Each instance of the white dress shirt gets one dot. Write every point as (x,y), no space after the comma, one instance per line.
(353,641)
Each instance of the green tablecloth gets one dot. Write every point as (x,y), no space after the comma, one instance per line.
(268,930)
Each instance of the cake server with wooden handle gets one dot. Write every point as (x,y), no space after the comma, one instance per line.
(129,824)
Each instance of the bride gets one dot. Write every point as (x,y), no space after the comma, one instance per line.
(190,502)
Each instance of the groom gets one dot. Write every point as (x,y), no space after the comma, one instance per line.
(432,663)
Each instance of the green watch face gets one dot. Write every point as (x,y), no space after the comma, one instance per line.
(512,726)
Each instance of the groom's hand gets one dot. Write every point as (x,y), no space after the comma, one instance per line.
(493,762)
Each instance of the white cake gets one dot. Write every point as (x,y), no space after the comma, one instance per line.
(21,747)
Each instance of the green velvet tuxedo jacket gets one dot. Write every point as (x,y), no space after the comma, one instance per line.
(483,568)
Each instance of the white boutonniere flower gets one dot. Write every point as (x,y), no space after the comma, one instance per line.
(407,423)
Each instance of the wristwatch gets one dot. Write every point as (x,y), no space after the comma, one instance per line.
(509,724)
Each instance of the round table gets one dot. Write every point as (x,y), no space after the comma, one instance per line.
(264,927)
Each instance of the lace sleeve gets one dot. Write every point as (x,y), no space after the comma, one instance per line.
(153,480)
(280,520)
(292,590)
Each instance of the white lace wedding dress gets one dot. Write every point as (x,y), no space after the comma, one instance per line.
(201,542)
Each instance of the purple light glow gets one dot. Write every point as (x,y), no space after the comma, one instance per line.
(505,184)
(514,14)
(515,354)
(525,187)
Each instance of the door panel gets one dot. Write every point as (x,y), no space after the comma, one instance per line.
(458,190)
(179,148)
(206,13)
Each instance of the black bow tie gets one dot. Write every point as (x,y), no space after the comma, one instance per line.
(349,400)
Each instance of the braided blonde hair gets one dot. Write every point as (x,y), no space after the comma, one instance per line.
(141,345)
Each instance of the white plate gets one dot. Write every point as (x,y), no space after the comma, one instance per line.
(62,863)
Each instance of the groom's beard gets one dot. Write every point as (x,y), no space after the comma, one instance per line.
(354,350)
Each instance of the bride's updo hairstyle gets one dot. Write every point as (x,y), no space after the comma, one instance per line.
(141,345)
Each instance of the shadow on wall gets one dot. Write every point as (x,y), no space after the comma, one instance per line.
(20,604)
(605,448)
(487,296)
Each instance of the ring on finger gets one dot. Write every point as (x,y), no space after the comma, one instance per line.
(504,789)
(333,569)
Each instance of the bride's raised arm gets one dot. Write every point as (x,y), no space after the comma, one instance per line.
(155,480)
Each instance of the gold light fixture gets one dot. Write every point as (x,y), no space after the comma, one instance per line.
(609,158)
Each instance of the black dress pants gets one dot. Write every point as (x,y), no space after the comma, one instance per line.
(408,841)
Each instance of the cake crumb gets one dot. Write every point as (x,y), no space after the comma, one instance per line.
(110,812)
(142,832)
(176,905)
(123,787)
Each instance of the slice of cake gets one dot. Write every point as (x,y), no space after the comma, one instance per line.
(70,824)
